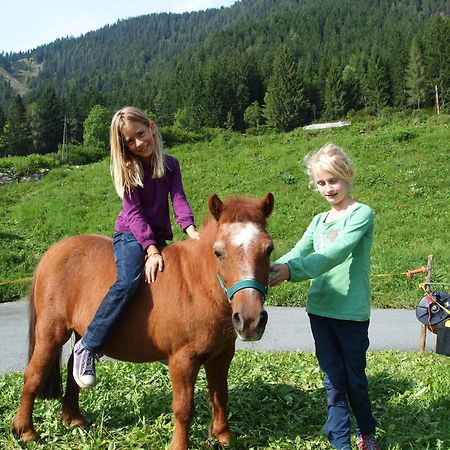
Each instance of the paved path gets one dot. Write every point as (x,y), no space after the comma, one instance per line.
(287,329)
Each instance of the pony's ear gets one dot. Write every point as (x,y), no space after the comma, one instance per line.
(215,206)
(267,204)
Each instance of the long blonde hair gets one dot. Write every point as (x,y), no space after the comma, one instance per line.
(333,159)
(126,169)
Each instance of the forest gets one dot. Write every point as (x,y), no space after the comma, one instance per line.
(255,66)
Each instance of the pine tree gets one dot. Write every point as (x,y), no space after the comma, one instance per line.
(2,119)
(253,115)
(376,83)
(436,43)
(352,87)
(49,121)
(16,138)
(415,77)
(334,92)
(161,107)
(398,62)
(285,104)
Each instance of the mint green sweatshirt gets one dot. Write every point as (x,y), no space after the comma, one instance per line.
(336,257)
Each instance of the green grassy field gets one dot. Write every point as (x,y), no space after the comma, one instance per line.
(276,402)
(402,168)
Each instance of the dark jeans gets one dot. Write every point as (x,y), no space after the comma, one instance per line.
(341,347)
(129,257)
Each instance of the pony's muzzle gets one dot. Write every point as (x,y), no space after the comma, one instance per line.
(250,327)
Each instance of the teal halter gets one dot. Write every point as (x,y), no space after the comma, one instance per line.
(243,284)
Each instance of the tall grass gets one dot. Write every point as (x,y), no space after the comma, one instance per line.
(402,168)
(276,402)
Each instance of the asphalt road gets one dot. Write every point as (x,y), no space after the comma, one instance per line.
(287,330)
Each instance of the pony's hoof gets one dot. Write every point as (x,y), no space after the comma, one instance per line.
(223,437)
(75,421)
(27,436)
(24,433)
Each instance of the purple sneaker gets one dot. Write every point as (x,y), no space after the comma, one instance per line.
(367,442)
(83,366)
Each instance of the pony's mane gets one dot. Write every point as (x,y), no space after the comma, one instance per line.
(242,209)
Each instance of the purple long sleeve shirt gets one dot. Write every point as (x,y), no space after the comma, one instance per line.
(145,211)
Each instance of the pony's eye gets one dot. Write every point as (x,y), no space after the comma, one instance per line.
(219,255)
(269,249)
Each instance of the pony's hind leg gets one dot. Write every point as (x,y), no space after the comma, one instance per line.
(217,377)
(71,414)
(36,381)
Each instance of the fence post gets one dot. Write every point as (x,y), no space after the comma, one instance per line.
(423,336)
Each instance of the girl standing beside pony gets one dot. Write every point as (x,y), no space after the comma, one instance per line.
(144,177)
(334,252)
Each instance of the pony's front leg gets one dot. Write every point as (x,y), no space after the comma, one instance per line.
(217,376)
(183,374)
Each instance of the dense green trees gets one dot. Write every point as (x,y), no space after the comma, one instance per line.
(295,60)
(285,104)
(16,138)
(415,77)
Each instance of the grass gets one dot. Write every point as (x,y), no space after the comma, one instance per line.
(276,402)
(402,173)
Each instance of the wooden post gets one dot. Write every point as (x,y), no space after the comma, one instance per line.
(423,336)
(436,98)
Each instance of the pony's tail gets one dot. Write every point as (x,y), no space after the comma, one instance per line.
(52,388)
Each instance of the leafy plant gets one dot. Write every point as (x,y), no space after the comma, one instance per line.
(276,401)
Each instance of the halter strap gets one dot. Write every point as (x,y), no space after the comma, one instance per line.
(243,284)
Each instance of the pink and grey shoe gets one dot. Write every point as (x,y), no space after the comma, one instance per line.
(83,365)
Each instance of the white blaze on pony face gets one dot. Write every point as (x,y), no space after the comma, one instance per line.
(242,235)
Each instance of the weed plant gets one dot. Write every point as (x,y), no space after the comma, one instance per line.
(402,172)
(276,402)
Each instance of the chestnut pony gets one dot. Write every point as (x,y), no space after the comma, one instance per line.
(210,291)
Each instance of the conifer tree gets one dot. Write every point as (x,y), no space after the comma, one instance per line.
(437,59)
(376,83)
(285,104)
(398,62)
(415,77)
(334,92)
(352,87)
(49,122)
(2,119)
(253,115)
(15,139)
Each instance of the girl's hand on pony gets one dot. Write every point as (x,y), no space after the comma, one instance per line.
(153,264)
(192,232)
(278,274)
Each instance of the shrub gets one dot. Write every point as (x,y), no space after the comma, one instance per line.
(78,154)
(20,166)
(173,135)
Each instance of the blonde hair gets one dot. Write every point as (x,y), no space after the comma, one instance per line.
(332,159)
(126,169)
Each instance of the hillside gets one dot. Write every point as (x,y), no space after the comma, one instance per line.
(402,173)
(137,59)
(16,85)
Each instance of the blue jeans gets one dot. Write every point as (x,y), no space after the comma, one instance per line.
(341,347)
(129,256)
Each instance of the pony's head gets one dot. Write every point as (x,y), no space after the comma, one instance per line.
(242,250)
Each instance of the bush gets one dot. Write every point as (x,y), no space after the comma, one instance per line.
(173,135)
(78,154)
(20,166)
